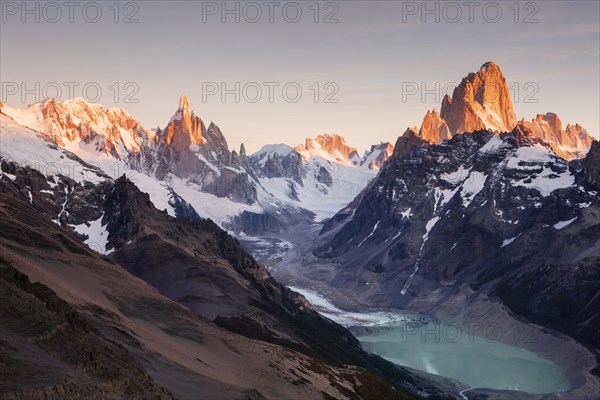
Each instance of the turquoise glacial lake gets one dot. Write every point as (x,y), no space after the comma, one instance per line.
(476,361)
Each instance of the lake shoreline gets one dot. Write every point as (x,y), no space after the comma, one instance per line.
(571,356)
(447,350)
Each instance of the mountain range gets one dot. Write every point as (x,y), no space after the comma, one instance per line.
(482,102)
(491,226)
(138,247)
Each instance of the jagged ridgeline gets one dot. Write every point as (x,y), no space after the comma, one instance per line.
(116,240)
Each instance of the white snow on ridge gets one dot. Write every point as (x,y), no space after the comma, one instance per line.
(563,224)
(536,153)
(218,209)
(9,176)
(29,148)
(490,118)
(492,145)
(457,176)
(406,214)
(443,196)
(31,117)
(267,151)
(546,181)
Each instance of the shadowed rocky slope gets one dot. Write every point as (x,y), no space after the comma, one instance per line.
(502,213)
(191,261)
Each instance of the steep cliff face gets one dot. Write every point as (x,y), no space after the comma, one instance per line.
(184,129)
(407,143)
(592,165)
(481,101)
(434,128)
(569,143)
(200,156)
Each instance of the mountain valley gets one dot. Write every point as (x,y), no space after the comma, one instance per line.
(164,255)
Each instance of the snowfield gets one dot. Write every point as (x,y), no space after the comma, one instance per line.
(30,148)
(539,157)
(323,201)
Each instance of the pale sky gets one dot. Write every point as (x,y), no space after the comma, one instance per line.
(548,51)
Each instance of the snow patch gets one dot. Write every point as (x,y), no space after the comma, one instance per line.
(492,145)
(97,234)
(428,226)
(472,186)
(543,158)
(371,234)
(563,224)
(457,176)
(506,242)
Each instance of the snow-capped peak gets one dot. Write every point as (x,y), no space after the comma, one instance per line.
(76,122)
(269,150)
(330,147)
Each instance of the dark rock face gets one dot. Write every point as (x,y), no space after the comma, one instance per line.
(481,209)
(557,295)
(288,165)
(182,208)
(324,177)
(59,197)
(592,165)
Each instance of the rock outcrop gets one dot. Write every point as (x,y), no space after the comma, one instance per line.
(481,101)
(592,165)
(377,155)
(185,128)
(434,129)
(569,143)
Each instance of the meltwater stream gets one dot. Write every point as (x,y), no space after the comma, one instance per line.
(475,361)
